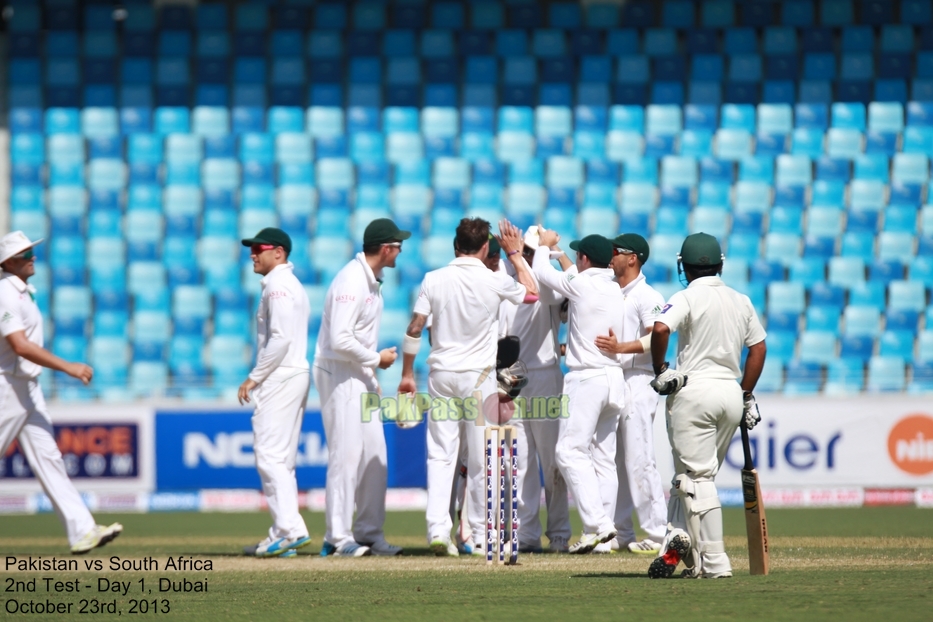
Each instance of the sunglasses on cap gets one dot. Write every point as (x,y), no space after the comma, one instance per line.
(255,249)
(26,254)
(621,251)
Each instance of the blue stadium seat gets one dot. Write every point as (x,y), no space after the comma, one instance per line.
(844,143)
(893,245)
(885,271)
(845,376)
(886,373)
(868,294)
(817,346)
(907,296)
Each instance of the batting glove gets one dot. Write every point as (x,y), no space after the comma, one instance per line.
(750,412)
(668,381)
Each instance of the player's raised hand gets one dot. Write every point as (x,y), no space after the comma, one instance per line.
(608,344)
(387,356)
(547,237)
(510,236)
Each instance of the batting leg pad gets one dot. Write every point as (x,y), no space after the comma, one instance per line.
(697,500)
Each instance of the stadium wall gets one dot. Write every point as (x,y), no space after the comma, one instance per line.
(868,450)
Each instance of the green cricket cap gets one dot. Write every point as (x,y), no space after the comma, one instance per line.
(271,235)
(596,247)
(382,231)
(633,243)
(494,246)
(701,249)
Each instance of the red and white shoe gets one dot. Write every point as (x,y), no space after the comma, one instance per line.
(664,565)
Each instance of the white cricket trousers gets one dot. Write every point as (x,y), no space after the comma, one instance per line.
(444,448)
(280,405)
(25,417)
(586,444)
(356,454)
(640,486)
(701,420)
(537,445)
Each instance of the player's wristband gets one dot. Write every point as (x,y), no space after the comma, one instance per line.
(510,253)
(411,345)
(645,343)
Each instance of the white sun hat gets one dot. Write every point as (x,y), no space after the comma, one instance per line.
(14,243)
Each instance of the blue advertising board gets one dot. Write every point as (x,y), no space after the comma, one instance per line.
(99,450)
(214,449)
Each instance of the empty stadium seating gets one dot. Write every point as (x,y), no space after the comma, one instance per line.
(145,142)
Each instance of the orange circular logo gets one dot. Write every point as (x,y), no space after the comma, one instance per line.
(910,444)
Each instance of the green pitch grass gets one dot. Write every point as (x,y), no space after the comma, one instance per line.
(846,564)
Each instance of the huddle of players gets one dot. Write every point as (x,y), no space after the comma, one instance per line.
(604,447)
(602,450)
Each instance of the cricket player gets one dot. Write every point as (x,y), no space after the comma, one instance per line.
(639,481)
(23,415)
(464,298)
(595,385)
(345,363)
(705,403)
(537,326)
(279,382)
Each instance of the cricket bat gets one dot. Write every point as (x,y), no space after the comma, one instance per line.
(756,526)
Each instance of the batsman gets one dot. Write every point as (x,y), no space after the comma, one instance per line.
(705,403)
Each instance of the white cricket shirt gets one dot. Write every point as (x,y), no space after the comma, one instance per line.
(18,311)
(596,305)
(352,313)
(713,322)
(464,298)
(537,326)
(281,324)
(644,303)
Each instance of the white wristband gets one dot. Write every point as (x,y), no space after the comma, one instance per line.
(645,343)
(411,345)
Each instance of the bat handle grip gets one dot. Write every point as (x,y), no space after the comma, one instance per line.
(746,448)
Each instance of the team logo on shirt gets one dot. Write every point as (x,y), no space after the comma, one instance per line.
(666,307)
(658,309)
(6,317)
(344,298)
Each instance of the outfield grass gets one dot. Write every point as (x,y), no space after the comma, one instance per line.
(851,564)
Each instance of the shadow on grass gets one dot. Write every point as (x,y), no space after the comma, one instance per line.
(611,575)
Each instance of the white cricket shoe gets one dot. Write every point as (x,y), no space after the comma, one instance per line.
(557,545)
(352,549)
(274,547)
(444,548)
(588,541)
(645,547)
(603,548)
(98,536)
(384,549)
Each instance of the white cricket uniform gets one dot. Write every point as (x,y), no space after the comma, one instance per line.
(344,369)
(595,386)
(23,413)
(713,322)
(640,485)
(464,298)
(537,326)
(283,377)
